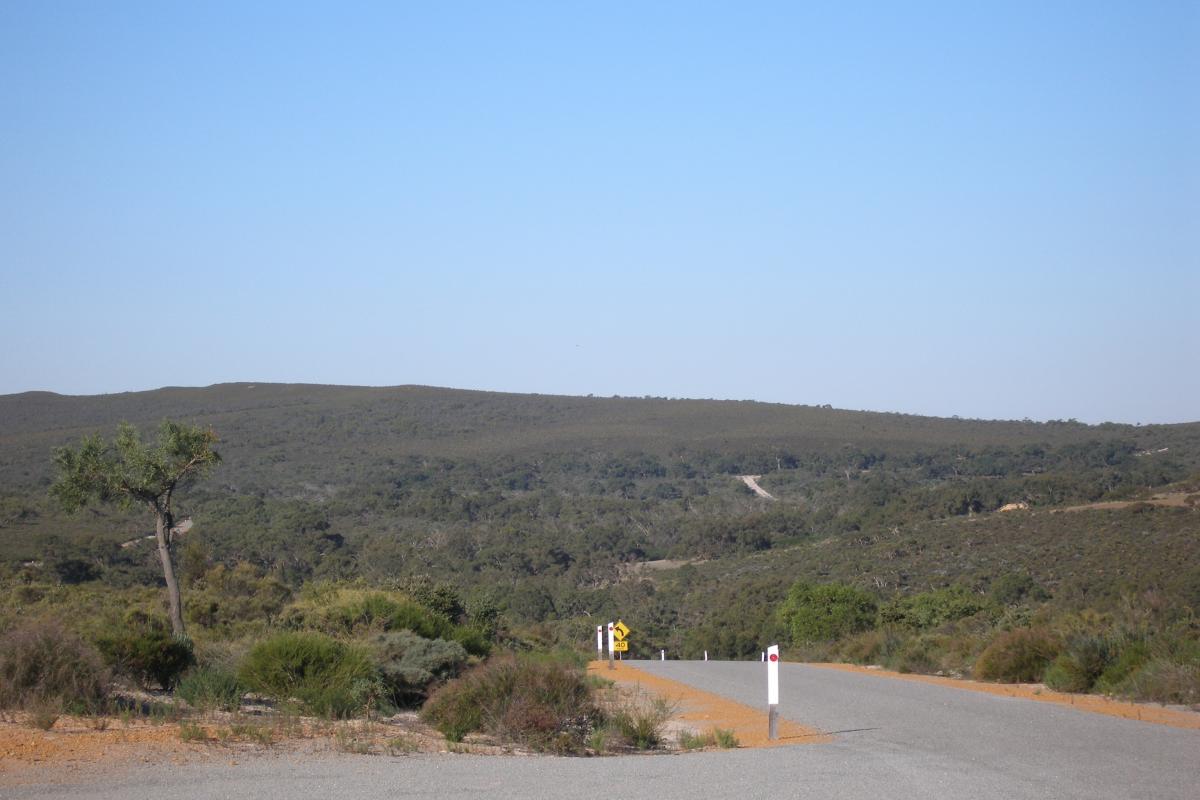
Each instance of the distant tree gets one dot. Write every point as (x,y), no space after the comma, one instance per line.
(128,472)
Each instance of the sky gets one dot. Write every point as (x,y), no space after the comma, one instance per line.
(984,210)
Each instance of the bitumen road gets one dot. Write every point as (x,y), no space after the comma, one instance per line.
(891,739)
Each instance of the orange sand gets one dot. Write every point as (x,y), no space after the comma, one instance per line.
(705,710)
(1092,703)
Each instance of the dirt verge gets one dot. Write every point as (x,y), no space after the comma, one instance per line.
(703,711)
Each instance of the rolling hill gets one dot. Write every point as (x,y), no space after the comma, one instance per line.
(547,504)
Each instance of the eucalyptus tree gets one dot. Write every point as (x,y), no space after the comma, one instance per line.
(129,472)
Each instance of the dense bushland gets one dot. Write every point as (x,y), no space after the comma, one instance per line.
(403,523)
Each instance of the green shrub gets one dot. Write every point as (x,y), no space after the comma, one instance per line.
(337,611)
(641,724)
(544,704)
(1016,587)
(45,666)
(814,613)
(932,609)
(151,656)
(1130,657)
(1078,667)
(407,615)
(725,738)
(473,640)
(409,664)
(1017,656)
(327,677)
(694,741)
(210,689)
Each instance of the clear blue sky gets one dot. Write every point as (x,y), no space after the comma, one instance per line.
(990,210)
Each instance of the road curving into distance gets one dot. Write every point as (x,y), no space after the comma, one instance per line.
(914,739)
(890,739)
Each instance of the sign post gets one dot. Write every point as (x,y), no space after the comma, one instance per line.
(599,642)
(773,692)
(617,640)
(611,649)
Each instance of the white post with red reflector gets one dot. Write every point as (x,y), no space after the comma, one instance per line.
(610,646)
(773,692)
(600,642)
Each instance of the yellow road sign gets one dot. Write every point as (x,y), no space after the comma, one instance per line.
(620,631)
(620,647)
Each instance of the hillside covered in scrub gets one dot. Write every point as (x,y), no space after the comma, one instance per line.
(546,514)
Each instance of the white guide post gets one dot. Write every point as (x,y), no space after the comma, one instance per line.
(610,646)
(600,642)
(706,655)
(773,692)
(662,655)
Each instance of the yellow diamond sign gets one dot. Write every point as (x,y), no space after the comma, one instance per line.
(620,631)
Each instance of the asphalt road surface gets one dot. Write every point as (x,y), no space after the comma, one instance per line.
(893,739)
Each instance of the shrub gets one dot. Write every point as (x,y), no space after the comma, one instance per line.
(408,664)
(473,640)
(327,677)
(725,738)
(1164,680)
(43,665)
(919,654)
(640,724)
(1129,658)
(716,737)
(341,610)
(150,656)
(1016,587)
(337,611)
(871,647)
(407,615)
(441,598)
(234,599)
(210,689)
(814,613)
(1077,668)
(192,732)
(544,704)
(932,609)
(1017,656)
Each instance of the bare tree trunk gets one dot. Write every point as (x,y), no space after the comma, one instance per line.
(162,530)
